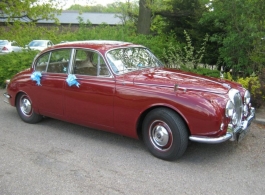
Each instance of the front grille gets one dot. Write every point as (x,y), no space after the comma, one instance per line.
(238,107)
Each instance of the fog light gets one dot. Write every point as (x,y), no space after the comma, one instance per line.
(222,126)
(245,109)
(229,109)
(249,105)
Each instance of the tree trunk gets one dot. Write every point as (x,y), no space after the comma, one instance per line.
(144,19)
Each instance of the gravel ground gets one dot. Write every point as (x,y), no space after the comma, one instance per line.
(260,115)
(58,158)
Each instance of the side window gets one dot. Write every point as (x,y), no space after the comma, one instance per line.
(89,63)
(103,69)
(56,61)
(49,44)
(42,62)
(14,44)
(59,61)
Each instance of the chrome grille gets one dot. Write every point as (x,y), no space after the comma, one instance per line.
(238,107)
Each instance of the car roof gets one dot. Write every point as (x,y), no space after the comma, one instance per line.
(102,45)
(40,40)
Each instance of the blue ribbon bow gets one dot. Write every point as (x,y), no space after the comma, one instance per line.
(36,76)
(71,80)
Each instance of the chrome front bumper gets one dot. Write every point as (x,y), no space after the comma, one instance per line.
(6,98)
(233,133)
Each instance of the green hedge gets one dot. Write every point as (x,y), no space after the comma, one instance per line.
(255,84)
(12,63)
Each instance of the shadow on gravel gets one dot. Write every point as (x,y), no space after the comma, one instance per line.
(196,153)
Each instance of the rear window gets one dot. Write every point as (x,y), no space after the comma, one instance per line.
(3,42)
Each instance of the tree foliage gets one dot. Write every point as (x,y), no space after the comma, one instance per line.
(235,28)
(239,27)
(29,10)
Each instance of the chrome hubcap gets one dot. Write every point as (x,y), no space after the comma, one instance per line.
(160,135)
(25,106)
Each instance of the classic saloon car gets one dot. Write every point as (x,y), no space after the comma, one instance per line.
(123,88)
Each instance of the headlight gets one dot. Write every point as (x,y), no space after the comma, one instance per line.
(247,97)
(229,109)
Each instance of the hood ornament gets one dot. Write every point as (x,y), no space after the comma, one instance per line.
(176,87)
(226,85)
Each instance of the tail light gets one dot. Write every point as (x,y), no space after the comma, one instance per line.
(4,49)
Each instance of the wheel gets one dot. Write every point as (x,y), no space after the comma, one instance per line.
(25,110)
(165,134)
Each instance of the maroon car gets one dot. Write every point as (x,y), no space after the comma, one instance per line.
(123,88)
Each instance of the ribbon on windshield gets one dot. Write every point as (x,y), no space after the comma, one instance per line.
(71,80)
(36,76)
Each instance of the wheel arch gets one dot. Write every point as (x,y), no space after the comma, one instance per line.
(17,95)
(144,114)
(23,92)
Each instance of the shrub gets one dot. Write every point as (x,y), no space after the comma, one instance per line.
(186,56)
(228,76)
(261,99)
(206,72)
(256,86)
(12,63)
(262,81)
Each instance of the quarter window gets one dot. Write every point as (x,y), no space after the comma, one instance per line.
(42,62)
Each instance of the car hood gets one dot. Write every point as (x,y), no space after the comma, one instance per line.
(182,80)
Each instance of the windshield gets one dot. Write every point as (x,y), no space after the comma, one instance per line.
(37,44)
(125,60)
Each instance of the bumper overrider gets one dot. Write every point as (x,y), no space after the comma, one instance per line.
(6,95)
(6,98)
(233,133)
